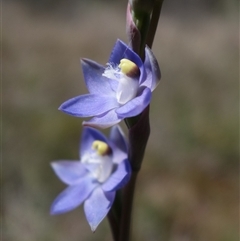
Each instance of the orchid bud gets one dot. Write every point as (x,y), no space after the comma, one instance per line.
(141,6)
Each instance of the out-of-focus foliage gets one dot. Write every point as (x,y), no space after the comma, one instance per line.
(188,185)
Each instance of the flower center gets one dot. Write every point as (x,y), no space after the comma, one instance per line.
(129,68)
(101,147)
(98,161)
(126,74)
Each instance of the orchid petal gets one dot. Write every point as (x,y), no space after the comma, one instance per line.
(70,172)
(118,144)
(118,138)
(118,155)
(119,178)
(72,196)
(136,105)
(104,121)
(89,105)
(97,206)
(95,81)
(152,69)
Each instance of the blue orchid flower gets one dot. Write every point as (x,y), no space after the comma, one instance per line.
(103,168)
(121,89)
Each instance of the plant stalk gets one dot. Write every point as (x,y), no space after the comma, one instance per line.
(127,201)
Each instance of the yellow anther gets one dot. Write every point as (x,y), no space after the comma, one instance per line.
(128,68)
(101,147)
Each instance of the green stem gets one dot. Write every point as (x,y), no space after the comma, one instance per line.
(146,24)
(154,22)
(114,216)
(131,121)
(142,23)
(127,201)
(114,225)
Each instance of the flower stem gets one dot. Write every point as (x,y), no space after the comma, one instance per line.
(143,25)
(138,137)
(114,216)
(127,201)
(154,22)
(145,15)
(113,225)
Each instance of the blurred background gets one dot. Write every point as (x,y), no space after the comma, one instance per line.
(188,186)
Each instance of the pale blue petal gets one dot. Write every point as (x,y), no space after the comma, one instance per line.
(152,70)
(96,207)
(118,138)
(103,121)
(114,85)
(95,82)
(136,105)
(91,167)
(70,172)
(72,196)
(89,105)
(118,155)
(118,145)
(89,135)
(119,178)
